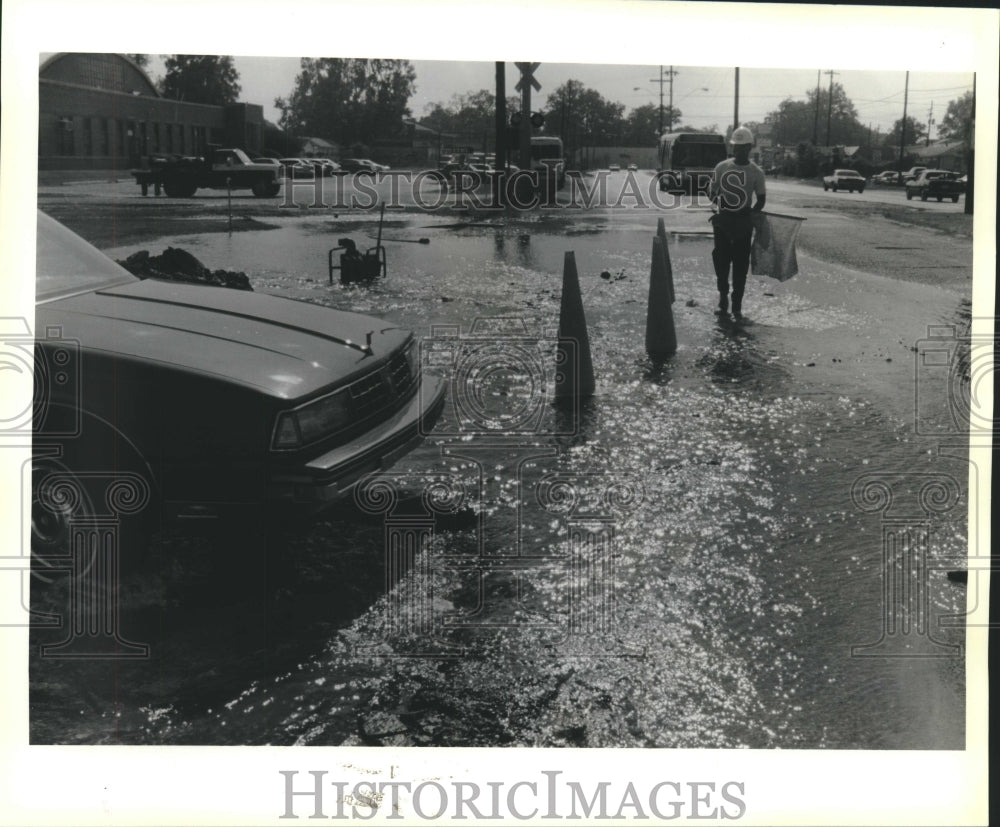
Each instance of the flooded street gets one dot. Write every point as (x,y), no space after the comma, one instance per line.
(692,558)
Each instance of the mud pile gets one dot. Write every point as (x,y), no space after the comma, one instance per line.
(175,264)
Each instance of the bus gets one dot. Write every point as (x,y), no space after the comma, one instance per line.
(687,160)
(547,157)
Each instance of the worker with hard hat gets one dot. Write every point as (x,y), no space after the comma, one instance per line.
(738,191)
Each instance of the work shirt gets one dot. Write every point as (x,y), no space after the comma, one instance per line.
(733,185)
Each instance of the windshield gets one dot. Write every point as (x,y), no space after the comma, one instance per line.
(704,156)
(67,264)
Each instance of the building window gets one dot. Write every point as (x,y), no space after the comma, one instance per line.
(103,137)
(88,146)
(64,135)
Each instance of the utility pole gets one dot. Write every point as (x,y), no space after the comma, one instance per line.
(816,116)
(670,122)
(829,104)
(501,130)
(930,121)
(970,154)
(660,80)
(736,101)
(902,131)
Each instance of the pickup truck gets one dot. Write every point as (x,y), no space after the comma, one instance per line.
(844,179)
(181,176)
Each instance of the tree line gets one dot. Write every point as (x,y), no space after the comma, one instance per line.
(356,101)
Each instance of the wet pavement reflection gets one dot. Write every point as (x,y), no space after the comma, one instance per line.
(675,563)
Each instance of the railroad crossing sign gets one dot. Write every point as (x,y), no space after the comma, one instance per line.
(527,76)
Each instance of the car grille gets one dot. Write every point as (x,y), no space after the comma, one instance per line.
(399,372)
(369,395)
(381,389)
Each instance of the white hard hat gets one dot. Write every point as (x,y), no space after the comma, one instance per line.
(741,135)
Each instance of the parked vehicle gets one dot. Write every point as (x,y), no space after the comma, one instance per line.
(614,168)
(214,402)
(912,174)
(297,168)
(633,167)
(888,177)
(182,176)
(361,165)
(844,179)
(935,183)
(324,166)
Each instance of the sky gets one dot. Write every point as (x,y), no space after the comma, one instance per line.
(704,95)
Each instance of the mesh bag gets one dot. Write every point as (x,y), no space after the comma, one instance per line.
(773,250)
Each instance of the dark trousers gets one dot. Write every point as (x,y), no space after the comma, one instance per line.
(733,234)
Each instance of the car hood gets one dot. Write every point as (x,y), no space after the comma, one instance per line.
(288,349)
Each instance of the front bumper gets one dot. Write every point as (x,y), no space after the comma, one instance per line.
(334,474)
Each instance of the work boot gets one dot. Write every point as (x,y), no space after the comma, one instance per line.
(723,304)
(737,307)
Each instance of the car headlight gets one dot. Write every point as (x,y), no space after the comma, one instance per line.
(312,421)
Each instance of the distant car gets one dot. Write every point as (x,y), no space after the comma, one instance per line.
(844,179)
(888,177)
(324,166)
(361,165)
(912,174)
(633,167)
(614,168)
(203,403)
(296,168)
(935,183)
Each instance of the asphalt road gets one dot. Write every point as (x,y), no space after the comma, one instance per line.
(748,445)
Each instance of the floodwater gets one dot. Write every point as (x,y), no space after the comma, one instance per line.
(678,562)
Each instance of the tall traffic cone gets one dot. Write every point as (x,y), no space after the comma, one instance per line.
(661,338)
(661,232)
(574,368)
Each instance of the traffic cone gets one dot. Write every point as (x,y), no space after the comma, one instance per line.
(661,232)
(574,368)
(661,338)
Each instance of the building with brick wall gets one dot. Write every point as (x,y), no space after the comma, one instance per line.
(101,111)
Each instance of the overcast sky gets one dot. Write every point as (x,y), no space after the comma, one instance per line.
(704,95)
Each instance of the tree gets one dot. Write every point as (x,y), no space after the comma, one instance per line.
(642,126)
(954,126)
(797,121)
(201,79)
(581,117)
(348,100)
(915,132)
(471,117)
(141,60)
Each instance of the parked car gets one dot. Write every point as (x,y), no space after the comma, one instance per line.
(844,179)
(296,168)
(362,165)
(888,177)
(614,168)
(633,167)
(912,174)
(324,166)
(935,183)
(217,403)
